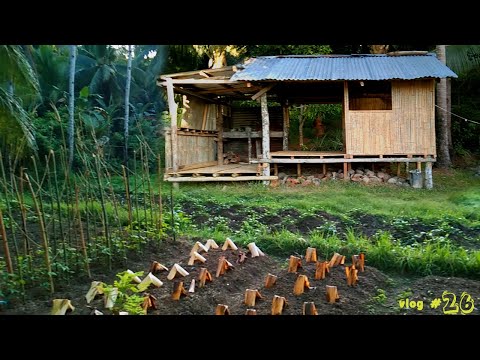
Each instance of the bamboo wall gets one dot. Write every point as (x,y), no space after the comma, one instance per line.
(197,114)
(192,149)
(409,128)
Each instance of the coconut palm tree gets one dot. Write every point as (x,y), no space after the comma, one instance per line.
(16,73)
(127,105)
(444,160)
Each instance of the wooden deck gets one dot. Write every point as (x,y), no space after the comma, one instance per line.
(230,172)
(300,154)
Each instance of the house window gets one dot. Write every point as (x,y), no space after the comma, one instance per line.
(370,95)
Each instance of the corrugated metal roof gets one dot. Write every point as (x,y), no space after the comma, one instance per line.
(343,67)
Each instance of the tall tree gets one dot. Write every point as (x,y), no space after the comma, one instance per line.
(16,71)
(444,160)
(71,104)
(127,105)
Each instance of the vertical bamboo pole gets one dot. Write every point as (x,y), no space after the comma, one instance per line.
(219,135)
(172,108)
(59,211)
(127,195)
(43,233)
(80,229)
(104,211)
(160,202)
(6,249)
(265,135)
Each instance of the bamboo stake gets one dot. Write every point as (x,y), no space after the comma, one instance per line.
(211,244)
(254,250)
(251,312)
(109,300)
(176,269)
(279,303)
(6,250)
(270,280)
(178,290)
(309,308)
(149,279)
(222,309)
(80,229)
(336,260)
(23,213)
(301,284)
(135,278)
(96,288)
(149,302)
(191,289)
(332,294)
(127,194)
(311,255)
(143,185)
(160,202)
(359,262)
(351,274)
(61,306)
(156,266)
(198,246)
(250,297)
(294,263)
(223,266)
(322,268)
(229,244)
(204,276)
(59,212)
(196,257)
(43,234)
(135,188)
(104,211)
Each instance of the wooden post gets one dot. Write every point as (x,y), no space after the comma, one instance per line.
(419,166)
(249,135)
(265,135)
(172,108)
(332,294)
(345,172)
(311,255)
(299,169)
(428,175)
(398,169)
(286,126)
(275,169)
(270,280)
(278,304)
(309,308)
(258,153)
(251,296)
(219,135)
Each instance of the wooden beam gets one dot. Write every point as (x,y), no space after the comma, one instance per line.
(263,91)
(172,108)
(428,175)
(265,133)
(205,81)
(221,178)
(195,72)
(183,91)
(253,134)
(286,126)
(337,161)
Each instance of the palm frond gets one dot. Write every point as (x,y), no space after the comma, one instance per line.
(16,68)
(15,119)
(462,58)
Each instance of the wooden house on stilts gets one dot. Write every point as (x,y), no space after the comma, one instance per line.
(388,114)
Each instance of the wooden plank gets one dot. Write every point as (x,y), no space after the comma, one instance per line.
(204,119)
(196,166)
(265,133)
(338,161)
(204,81)
(263,91)
(221,178)
(306,153)
(195,72)
(172,108)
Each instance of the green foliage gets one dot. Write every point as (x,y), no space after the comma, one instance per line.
(128,298)
(272,50)
(381,296)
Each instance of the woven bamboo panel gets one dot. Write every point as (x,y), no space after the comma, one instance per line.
(409,128)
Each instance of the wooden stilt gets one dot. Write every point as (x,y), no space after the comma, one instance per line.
(275,169)
(428,175)
(398,169)
(219,135)
(286,126)
(265,135)
(345,171)
(299,169)
(324,169)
